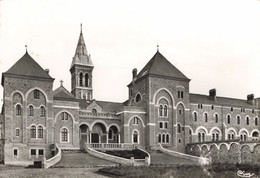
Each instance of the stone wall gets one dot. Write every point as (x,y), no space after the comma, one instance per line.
(230,153)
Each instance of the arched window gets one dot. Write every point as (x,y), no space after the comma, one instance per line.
(206,117)
(238,119)
(203,137)
(81,79)
(36,94)
(94,111)
(247,120)
(86,80)
(159,138)
(33,132)
(178,128)
(135,137)
(256,121)
(165,110)
(228,136)
(40,132)
(199,137)
(216,118)
(163,138)
(18,109)
(31,111)
(136,120)
(42,111)
(64,116)
(160,110)
(255,134)
(213,136)
(64,135)
(228,119)
(167,138)
(217,135)
(138,98)
(195,115)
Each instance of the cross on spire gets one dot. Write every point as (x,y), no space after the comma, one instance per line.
(26,48)
(81,27)
(61,83)
(158,47)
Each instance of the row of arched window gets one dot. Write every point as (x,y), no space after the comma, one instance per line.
(36,132)
(163,110)
(31,110)
(216,117)
(163,138)
(86,79)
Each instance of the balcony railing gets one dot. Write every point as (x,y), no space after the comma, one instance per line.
(111,146)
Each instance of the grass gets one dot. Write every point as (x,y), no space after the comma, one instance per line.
(137,154)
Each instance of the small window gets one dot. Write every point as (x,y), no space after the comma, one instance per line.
(41,152)
(195,116)
(17,132)
(161,125)
(200,106)
(165,110)
(256,121)
(135,120)
(238,120)
(36,94)
(161,110)
(64,116)
(253,111)
(15,152)
(180,94)
(231,109)
(138,98)
(179,140)
(86,80)
(42,111)
(206,117)
(18,110)
(216,118)
(135,137)
(163,138)
(64,135)
(33,132)
(81,79)
(247,120)
(94,111)
(159,138)
(31,111)
(228,119)
(212,107)
(40,132)
(178,128)
(165,125)
(180,112)
(167,138)
(33,152)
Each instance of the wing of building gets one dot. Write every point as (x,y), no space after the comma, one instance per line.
(159,110)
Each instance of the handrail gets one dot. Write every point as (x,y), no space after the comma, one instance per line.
(53,160)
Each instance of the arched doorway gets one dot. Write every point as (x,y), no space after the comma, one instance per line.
(98,134)
(83,135)
(113,135)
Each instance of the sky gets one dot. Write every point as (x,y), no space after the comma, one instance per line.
(215,43)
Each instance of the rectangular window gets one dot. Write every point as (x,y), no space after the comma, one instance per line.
(180,94)
(161,125)
(165,125)
(17,132)
(33,152)
(41,152)
(180,112)
(36,94)
(15,152)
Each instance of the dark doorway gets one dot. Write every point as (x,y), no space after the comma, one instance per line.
(95,138)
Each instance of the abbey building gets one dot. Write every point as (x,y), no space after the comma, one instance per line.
(159,110)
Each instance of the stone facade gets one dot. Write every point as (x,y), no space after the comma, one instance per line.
(160,110)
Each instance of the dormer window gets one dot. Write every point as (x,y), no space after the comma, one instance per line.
(94,111)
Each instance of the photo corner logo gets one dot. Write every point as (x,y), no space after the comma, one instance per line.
(241,173)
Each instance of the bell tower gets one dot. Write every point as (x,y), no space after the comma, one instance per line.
(81,71)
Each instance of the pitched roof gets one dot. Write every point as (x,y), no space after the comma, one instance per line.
(62,93)
(159,65)
(27,66)
(204,99)
(105,105)
(81,56)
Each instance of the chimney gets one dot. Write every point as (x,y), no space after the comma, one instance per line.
(47,71)
(250,99)
(134,71)
(213,94)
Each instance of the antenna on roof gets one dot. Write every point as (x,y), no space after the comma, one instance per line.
(26,48)
(158,47)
